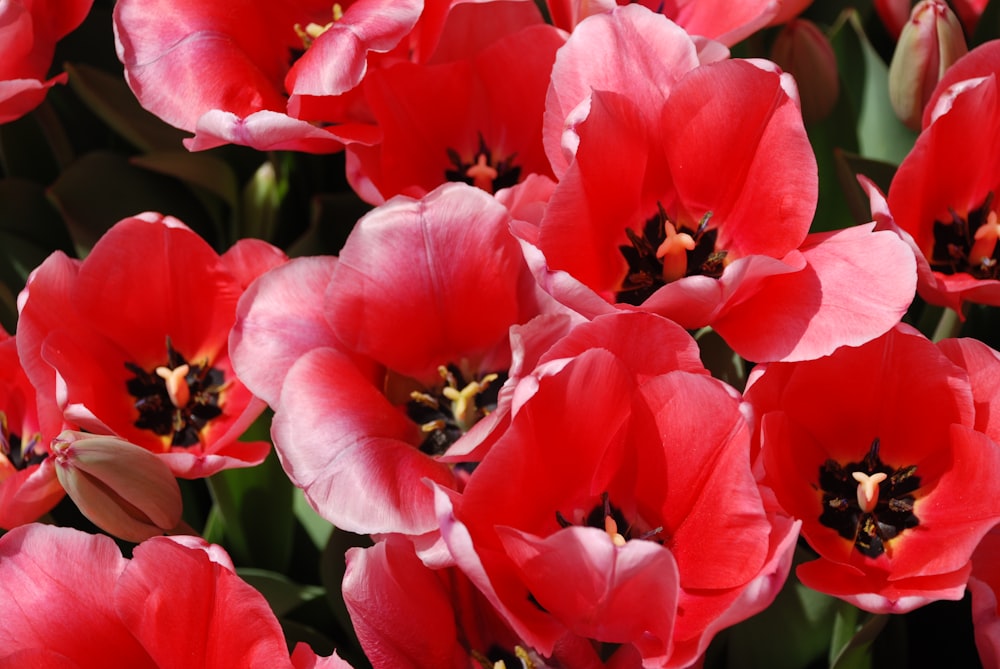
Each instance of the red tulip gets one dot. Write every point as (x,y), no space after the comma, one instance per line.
(28,422)
(177,603)
(29,30)
(437,617)
(879,451)
(942,198)
(690,192)
(618,505)
(239,72)
(133,341)
(461,116)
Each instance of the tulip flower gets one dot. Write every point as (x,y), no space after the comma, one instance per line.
(438,618)
(618,505)
(931,41)
(397,349)
(72,600)
(942,200)
(461,117)
(710,151)
(248,73)
(880,451)
(133,341)
(28,422)
(29,31)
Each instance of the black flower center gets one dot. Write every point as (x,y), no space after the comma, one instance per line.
(968,244)
(868,502)
(665,252)
(449,410)
(177,400)
(606,516)
(485,171)
(20,455)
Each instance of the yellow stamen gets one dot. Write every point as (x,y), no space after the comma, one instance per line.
(177,385)
(482,175)
(868,489)
(673,252)
(463,402)
(312,31)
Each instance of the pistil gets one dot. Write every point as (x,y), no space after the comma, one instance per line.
(178,389)
(868,489)
(482,174)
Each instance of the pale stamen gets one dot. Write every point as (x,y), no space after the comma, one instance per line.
(673,252)
(986,241)
(482,174)
(177,386)
(868,489)
(611,527)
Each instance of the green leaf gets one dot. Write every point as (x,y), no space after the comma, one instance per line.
(792,633)
(256,504)
(849,165)
(197,169)
(281,592)
(110,98)
(30,230)
(833,134)
(318,528)
(102,187)
(853,635)
(720,359)
(25,152)
(332,568)
(881,135)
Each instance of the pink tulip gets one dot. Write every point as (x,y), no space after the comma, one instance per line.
(175,604)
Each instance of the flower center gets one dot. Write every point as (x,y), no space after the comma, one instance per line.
(311,32)
(665,252)
(20,455)
(499,658)
(483,171)
(968,244)
(176,400)
(452,408)
(868,502)
(607,517)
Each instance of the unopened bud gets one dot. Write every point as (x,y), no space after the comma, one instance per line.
(803,50)
(930,42)
(122,488)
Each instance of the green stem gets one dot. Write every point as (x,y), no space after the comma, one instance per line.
(949,325)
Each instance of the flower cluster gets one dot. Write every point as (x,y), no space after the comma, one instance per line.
(523,373)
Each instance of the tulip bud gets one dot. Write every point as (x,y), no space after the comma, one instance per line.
(122,488)
(802,50)
(930,42)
